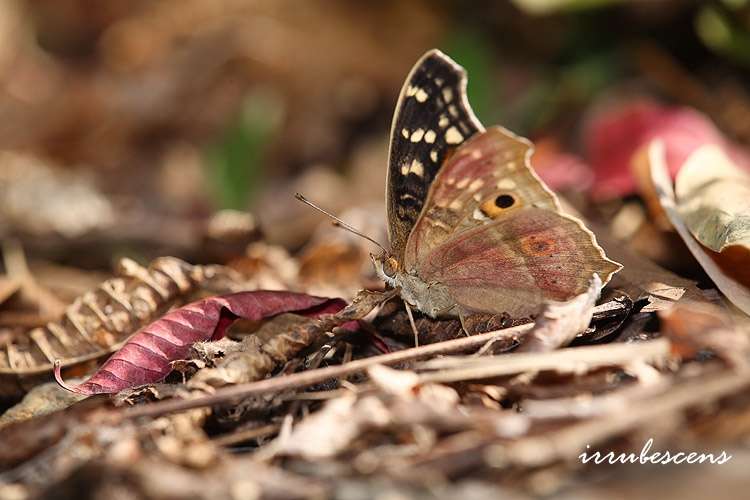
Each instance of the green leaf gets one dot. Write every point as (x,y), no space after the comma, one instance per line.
(236,160)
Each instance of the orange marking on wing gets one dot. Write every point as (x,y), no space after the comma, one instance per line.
(538,246)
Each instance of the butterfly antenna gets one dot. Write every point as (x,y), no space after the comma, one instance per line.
(338,222)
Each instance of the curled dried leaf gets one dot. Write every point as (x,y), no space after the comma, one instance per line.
(713,197)
(147,356)
(735,291)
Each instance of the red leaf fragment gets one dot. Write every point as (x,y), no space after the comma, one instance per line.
(147,356)
(615,133)
(559,169)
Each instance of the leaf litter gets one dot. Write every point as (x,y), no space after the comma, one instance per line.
(284,392)
(338,402)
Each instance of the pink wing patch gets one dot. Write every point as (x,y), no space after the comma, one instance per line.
(516,263)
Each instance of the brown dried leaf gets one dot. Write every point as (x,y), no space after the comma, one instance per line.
(403,401)
(693,327)
(278,342)
(642,279)
(607,317)
(267,267)
(8,287)
(40,200)
(101,320)
(41,400)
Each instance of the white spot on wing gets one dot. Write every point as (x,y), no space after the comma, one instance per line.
(443,122)
(448,94)
(405,133)
(453,110)
(433,156)
(463,183)
(456,205)
(416,168)
(411,90)
(429,136)
(506,184)
(476,184)
(438,223)
(417,135)
(453,136)
(421,95)
(478,215)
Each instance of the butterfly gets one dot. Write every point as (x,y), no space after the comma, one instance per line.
(472,229)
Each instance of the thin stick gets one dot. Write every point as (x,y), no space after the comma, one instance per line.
(246,435)
(338,222)
(569,360)
(310,377)
(413,325)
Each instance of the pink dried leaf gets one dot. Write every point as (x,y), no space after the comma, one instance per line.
(616,132)
(560,169)
(147,356)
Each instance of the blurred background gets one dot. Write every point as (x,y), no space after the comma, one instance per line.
(126,125)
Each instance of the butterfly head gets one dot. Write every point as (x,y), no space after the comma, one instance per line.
(387,267)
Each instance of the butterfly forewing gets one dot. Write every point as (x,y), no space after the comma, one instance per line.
(488,178)
(432,118)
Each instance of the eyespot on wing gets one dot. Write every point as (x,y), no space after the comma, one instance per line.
(499,204)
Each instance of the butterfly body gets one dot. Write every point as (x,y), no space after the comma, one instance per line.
(431,298)
(472,228)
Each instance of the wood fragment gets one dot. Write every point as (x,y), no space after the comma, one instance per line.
(307,378)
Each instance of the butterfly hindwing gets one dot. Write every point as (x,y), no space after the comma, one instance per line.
(513,264)
(432,118)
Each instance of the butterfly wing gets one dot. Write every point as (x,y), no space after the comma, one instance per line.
(514,264)
(432,118)
(488,177)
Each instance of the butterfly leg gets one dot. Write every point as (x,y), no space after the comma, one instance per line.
(462,319)
(412,323)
